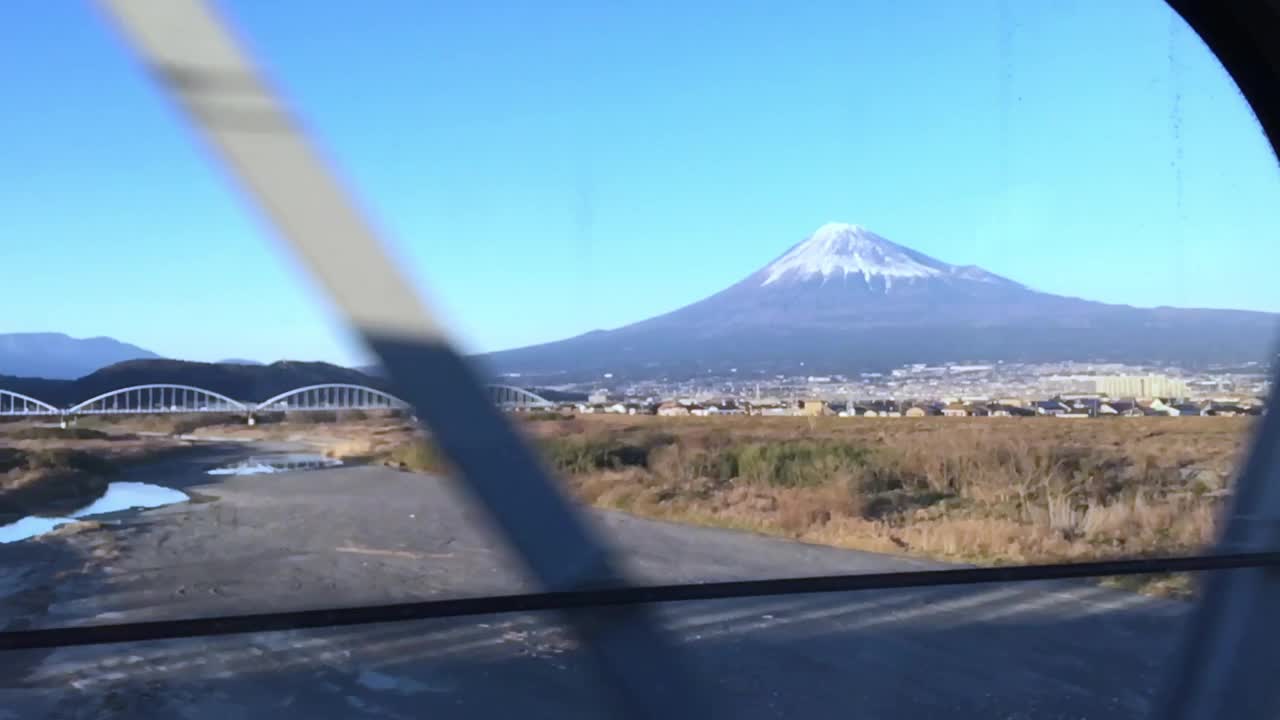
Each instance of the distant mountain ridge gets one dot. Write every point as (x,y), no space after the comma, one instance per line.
(845,299)
(60,356)
(252,383)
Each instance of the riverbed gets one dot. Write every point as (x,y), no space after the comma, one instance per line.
(344,536)
(120,496)
(126,496)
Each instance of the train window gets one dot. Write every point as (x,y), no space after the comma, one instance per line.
(827,291)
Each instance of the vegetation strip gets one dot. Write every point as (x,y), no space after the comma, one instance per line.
(987,491)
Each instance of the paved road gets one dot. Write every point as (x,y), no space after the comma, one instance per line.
(355,535)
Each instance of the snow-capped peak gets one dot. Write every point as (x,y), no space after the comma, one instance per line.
(841,249)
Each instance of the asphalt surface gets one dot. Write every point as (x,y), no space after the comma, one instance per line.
(347,536)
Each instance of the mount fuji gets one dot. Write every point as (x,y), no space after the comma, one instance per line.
(847,299)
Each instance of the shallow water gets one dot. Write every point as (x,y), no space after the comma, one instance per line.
(119,496)
(29,527)
(129,495)
(268,464)
(132,495)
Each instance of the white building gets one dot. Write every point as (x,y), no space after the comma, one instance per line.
(1142,386)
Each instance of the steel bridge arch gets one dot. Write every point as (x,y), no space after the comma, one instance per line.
(512,396)
(43,408)
(227,404)
(270,404)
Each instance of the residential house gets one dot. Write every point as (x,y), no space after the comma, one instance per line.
(1086,407)
(885,408)
(1129,408)
(1050,407)
(672,409)
(732,407)
(1187,409)
(813,407)
(1225,410)
(1097,407)
(1156,408)
(955,410)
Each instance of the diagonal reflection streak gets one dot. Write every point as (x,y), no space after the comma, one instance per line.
(210,76)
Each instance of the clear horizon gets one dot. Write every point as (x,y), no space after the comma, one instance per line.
(617,163)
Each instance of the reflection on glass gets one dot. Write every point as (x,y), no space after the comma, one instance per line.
(984,285)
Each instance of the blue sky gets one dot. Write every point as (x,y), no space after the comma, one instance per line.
(543,171)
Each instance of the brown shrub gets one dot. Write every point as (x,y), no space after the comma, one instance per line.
(976,489)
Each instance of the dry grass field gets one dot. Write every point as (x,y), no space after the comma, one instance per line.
(983,490)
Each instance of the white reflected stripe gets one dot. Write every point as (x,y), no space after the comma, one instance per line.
(258,137)
(867,619)
(1035,601)
(281,651)
(1122,602)
(278,647)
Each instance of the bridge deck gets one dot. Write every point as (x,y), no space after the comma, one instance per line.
(156,399)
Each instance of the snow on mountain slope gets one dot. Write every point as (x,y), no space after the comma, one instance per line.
(840,249)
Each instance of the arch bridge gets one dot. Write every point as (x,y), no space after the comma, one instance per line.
(157,399)
(331,396)
(14,404)
(509,397)
(339,396)
(164,398)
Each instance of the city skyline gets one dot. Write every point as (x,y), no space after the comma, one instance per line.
(684,156)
